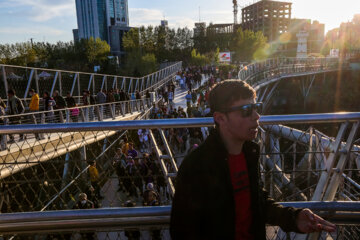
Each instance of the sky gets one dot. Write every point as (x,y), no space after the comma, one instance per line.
(53,20)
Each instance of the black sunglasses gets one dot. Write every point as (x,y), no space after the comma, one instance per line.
(247,110)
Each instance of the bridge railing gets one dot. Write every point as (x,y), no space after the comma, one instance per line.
(255,71)
(50,175)
(22,79)
(286,153)
(85,113)
(116,222)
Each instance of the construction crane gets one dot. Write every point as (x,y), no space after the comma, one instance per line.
(235,12)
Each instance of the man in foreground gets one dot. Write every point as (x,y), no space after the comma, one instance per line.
(218,194)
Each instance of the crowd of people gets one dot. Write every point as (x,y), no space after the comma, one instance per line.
(140,180)
(51,108)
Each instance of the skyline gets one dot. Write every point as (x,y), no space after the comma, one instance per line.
(52,21)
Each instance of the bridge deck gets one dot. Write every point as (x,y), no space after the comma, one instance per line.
(21,155)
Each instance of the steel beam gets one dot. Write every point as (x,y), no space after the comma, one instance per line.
(54,83)
(4,79)
(28,85)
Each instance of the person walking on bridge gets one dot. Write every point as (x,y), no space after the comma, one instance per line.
(218,193)
(34,108)
(15,107)
(59,104)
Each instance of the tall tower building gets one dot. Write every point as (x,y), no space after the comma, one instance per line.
(91,19)
(118,12)
(104,19)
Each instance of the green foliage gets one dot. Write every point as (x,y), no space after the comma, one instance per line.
(145,46)
(226,68)
(165,43)
(137,65)
(198,59)
(149,64)
(96,50)
(131,40)
(17,54)
(80,56)
(249,46)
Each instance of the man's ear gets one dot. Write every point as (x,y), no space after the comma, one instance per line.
(219,118)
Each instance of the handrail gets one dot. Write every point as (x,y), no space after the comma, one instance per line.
(250,71)
(141,217)
(85,73)
(176,123)
(93,81)
(77,107)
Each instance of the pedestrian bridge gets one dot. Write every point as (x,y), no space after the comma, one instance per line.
(301,165)
(44,147)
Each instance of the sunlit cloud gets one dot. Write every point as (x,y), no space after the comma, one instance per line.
(36,31)
(44,10)
(142,16)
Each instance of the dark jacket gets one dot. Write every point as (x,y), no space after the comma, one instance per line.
(70,102)
(60,102)
(204,206)
(88,205)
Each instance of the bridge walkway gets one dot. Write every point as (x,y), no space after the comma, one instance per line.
(114,198)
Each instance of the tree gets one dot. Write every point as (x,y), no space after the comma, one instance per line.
(96,51)
(198,59)
(249,45)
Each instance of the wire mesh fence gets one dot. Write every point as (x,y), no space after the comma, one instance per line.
(121,168)
(162,232)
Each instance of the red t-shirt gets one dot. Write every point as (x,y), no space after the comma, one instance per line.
(241,186)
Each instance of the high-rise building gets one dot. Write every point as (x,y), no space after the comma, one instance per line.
(104,19)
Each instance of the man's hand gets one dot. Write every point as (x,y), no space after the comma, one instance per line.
(308,222)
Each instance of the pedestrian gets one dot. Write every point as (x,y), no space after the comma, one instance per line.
(34,108)
(49,104)
(59,104)
(119,163)
(132,152)
(70,103)
(101,96)
(151,198)
(193,96)
(137,95)
(15,107)
(170,97)
(95,179)
(218,194)
(131,234)
(188,98)
(84,203)
(125,146)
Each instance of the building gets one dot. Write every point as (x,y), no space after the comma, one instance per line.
(315,32)
(104,19)
(164,23)
(222,28)
(76,35)
(270,17)
(200,29)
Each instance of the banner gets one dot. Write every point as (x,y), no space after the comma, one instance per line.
(225,57)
